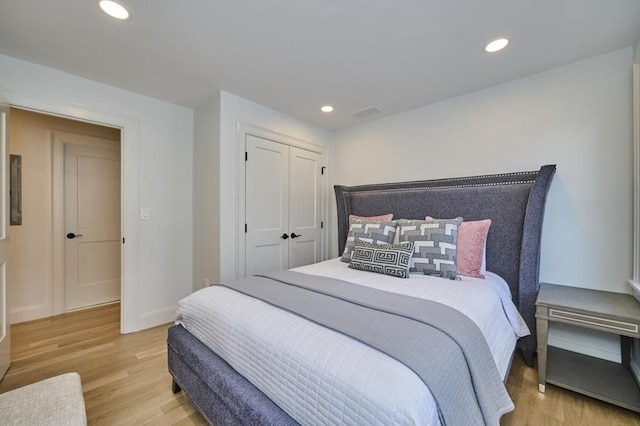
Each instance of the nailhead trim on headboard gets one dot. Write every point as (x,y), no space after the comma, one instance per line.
(518,222)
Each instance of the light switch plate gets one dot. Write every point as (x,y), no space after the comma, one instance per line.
(144,213)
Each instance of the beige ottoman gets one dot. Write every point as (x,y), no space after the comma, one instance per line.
(56,401)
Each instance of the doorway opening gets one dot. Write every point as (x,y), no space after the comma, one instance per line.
(50,146)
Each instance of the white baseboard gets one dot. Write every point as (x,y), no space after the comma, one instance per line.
(29,313)
(157,317)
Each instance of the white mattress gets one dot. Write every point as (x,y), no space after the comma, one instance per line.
(321,377)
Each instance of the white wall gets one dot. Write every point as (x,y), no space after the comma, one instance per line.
(206,193)
(235,110)
(578,117)
(635,354)
(164,133)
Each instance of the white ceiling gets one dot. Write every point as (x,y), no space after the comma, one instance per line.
(295,56)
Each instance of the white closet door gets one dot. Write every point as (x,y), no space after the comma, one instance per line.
(305,189)
(267,206)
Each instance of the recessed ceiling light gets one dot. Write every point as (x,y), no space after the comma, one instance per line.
(326,108)
(114,9)
(496,45)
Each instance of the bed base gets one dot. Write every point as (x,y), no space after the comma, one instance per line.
(222,395)
(528,355)
(219,393)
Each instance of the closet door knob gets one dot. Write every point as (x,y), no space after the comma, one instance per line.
(294,235)
(284,236)
(71,235)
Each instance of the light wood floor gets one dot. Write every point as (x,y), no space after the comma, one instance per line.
(125,379)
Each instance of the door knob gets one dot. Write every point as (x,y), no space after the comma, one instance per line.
(71,235)
(284,236)
(294,235)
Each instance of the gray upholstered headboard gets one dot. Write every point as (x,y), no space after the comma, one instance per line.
(514,202)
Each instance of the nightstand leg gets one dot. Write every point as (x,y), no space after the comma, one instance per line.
(543,331)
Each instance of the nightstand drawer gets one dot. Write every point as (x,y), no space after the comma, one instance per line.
(597,321)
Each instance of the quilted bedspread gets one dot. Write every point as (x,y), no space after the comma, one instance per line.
(319,376)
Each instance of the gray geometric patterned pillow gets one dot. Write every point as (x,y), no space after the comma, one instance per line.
(371,232)
(388,259)
(435,245)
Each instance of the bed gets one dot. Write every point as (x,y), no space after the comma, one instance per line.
(301,378)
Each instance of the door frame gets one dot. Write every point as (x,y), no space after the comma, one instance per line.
(242,130)
(58,221)
(5,327)
(129,164)
(636,168)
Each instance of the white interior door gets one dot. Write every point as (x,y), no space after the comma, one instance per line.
(267,205)
(305,201)
(92,223)
(5,338)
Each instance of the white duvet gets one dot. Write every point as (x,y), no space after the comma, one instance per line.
(321,377)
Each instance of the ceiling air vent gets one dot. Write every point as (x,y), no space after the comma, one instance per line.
(366,112)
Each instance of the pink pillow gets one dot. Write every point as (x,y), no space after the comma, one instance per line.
(381,218)
(472,241)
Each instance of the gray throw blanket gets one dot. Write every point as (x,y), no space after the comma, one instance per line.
(440,344)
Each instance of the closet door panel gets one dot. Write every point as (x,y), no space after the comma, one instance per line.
(267,205)
(305,207)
